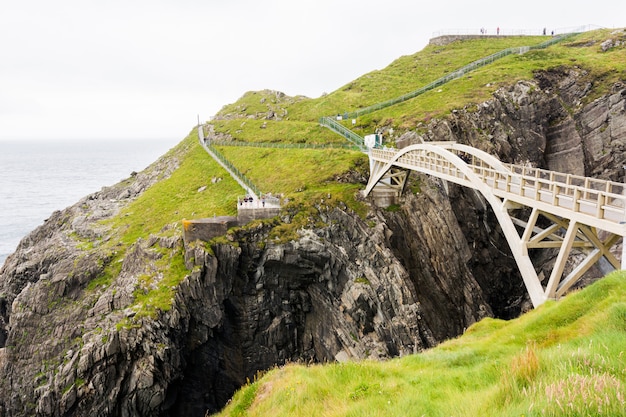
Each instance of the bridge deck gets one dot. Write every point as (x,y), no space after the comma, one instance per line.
(595,202)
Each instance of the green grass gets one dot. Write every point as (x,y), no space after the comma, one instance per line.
(260,103)
(562,359)
(157,289)
(272,131)
(309,178)
(408,73)
(272,170)
(311,187)
(159,211)
(178,197)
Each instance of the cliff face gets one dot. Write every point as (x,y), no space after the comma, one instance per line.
(399,281)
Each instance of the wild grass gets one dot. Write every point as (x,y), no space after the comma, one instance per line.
(496,368)
(411,72)
(564,353)
(406,74)
(181,195)
(157,289)
(190,192)
(272,131)
(294,171)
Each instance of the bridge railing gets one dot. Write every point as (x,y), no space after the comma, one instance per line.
(602,199)
(591,184)
(342,130)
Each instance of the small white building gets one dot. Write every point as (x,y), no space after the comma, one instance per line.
(374,140)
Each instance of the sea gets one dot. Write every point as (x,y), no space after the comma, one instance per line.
(39,177)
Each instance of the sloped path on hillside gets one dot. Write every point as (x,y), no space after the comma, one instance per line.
(246,184)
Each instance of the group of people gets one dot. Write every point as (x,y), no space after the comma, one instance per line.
(249,201)
(483,31)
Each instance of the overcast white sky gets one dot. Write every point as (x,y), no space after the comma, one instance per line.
(90,69)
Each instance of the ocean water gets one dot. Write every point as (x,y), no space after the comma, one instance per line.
(37,178)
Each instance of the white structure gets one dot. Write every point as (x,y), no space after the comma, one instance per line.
(372,141)
(586,213)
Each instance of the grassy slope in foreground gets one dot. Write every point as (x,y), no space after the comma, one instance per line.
(565,358)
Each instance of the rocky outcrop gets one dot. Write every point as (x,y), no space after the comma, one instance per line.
(337,293)
(47,314)
(545,122)
(340,292)
(398,281)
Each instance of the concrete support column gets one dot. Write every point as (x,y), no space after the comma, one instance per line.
(624,252)
(624,221)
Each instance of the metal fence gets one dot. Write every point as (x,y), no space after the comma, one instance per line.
(330,123)
(278,145)
(456,74)
(233,169)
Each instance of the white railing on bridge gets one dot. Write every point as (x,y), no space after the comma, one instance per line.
(554,191)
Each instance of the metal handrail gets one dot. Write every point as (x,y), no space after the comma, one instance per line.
(458,74)
(602,199)
(358,140)
(234,169)
(342,130)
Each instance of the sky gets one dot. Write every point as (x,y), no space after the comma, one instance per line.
(139,69)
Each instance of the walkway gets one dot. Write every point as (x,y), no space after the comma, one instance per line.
(585,213)
(250,190)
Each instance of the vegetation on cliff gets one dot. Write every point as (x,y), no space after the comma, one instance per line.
(411,72)
(564,358)
(106,317)
(474,365)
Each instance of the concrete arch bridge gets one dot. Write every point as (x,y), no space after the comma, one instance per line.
(584,213)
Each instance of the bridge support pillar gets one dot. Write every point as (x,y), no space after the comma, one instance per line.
(623,252)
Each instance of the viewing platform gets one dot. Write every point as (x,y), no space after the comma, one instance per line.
(248,208)
(252,207)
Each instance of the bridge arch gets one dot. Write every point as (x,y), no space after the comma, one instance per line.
(575,211)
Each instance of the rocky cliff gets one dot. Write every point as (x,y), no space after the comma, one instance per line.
(400,280)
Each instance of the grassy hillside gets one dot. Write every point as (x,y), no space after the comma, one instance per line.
(307,176)
(563,359)
(566,358)
(299,115)
(566,354)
